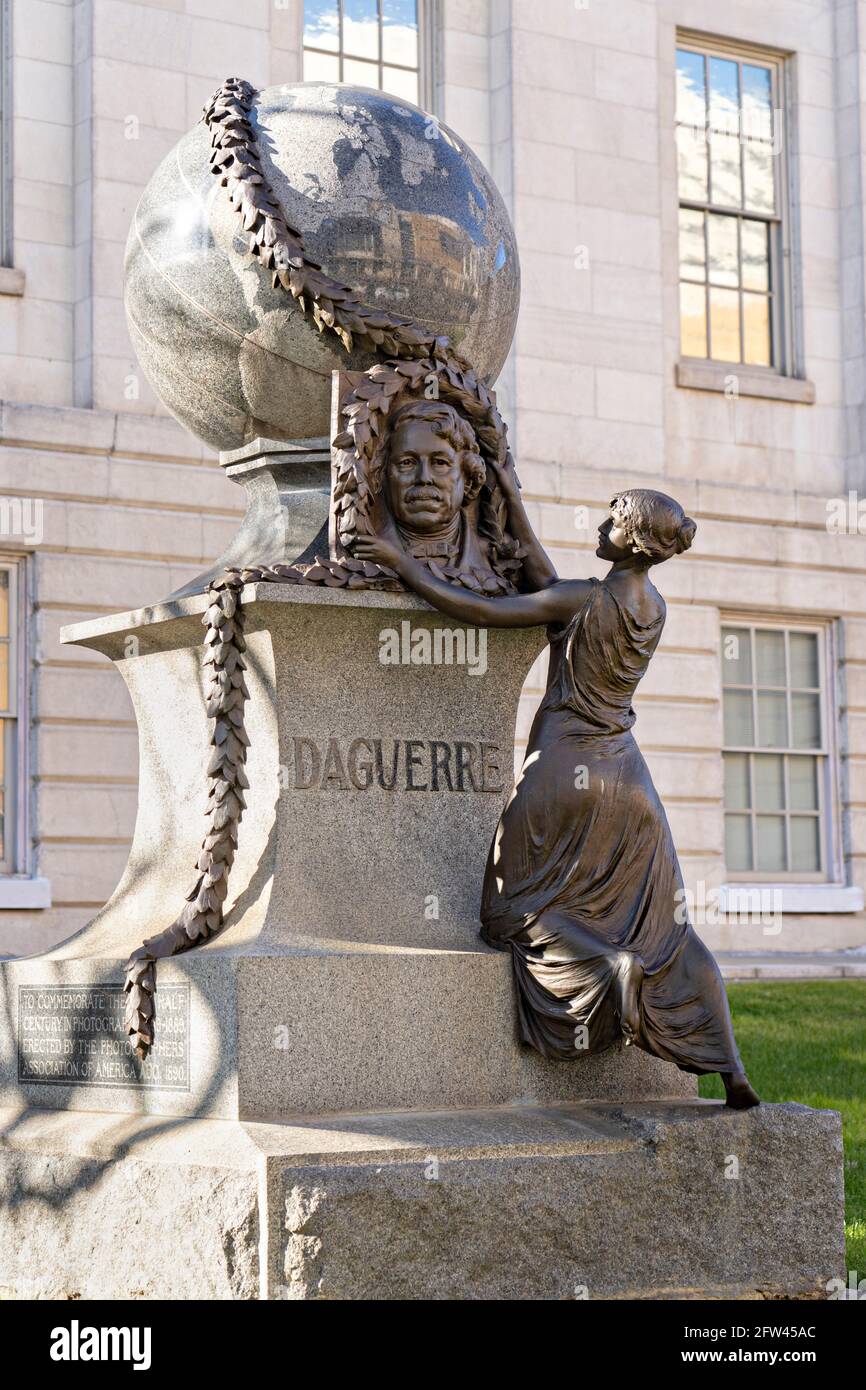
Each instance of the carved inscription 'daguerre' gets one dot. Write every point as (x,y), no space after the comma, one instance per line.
(396,764)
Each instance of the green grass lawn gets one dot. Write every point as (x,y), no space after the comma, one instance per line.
(807,1042)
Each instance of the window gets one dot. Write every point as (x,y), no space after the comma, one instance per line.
(13,837)
(371,43)
(5,132)
(776,752)
(732,191)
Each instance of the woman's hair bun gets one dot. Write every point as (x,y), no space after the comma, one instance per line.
(686,534)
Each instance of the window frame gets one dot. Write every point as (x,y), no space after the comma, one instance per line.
(829,785)
(16,861)
(783,340)
(6,118)
(426,51)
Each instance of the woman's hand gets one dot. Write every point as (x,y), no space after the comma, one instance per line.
(382,550)
(506,474)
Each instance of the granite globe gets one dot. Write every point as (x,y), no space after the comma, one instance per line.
(388,200)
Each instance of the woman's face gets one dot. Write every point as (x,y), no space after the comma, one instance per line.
(613,542)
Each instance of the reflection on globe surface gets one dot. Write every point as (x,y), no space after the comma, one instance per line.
(387,200)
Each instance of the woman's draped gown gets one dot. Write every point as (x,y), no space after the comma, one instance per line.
(583,866)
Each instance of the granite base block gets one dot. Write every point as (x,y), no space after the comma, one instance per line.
(577,1202)
(266,1037)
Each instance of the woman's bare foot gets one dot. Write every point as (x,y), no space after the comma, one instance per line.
(629,979)
(738,1091)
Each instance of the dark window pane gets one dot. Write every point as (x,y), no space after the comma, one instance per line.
(772,720)
(691,94)
(769,782)
(803,784)
(693,321)
(805,845)
(361,74)
(725,325)
(400,33)
(321,25)
(755,255)
(725,170)
(804,660)
(756,330)
(770,657)
(736,656)
(361,30)
(4,734)
(321,67)
(402,83)
(806,719)
(737,797)
(692,163)
(722,250)
(737,708)
(770,848)
(758,175)
(692,250)
(757,103)
(724,96)
(738,844)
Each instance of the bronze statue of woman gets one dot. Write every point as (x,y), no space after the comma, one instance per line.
(582,882)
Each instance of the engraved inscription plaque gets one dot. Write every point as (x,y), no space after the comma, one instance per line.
(74,1035)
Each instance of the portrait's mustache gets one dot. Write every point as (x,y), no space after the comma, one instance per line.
(423,493)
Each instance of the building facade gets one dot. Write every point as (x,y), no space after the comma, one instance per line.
(688,188)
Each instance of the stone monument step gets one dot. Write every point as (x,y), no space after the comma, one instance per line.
(679,1199)
(247,1035)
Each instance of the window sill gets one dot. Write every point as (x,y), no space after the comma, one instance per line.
(750,381)
(807,898)
(11,280)
(25,893)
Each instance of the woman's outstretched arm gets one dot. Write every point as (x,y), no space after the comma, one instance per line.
(555,604)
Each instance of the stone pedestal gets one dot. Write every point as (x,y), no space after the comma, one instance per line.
(288,489)
(350,975)
(338,1105)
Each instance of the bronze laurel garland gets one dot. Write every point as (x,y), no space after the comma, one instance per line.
(419,359)
(202,914)
(236,161)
